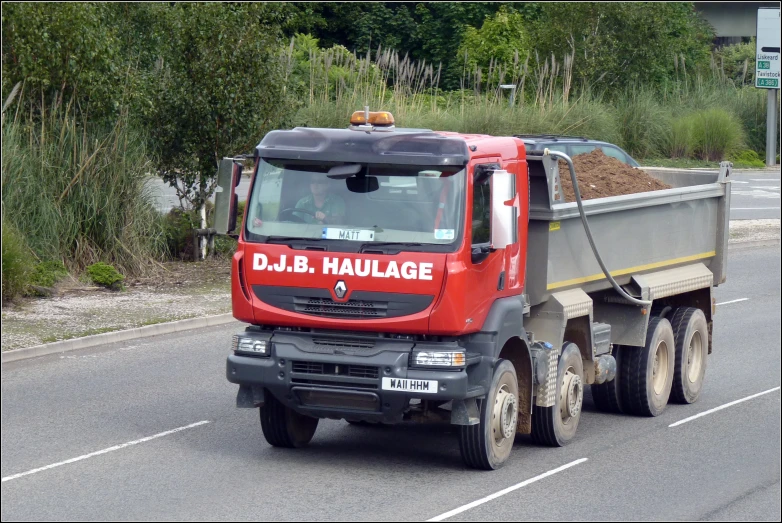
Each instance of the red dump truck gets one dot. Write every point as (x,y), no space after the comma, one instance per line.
(394,275)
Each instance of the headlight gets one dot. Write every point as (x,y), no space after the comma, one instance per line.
(438,359)
(250,346)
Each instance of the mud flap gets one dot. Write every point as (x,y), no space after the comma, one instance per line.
(250,397)
(465,412)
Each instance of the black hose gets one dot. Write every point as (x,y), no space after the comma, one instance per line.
(608,276)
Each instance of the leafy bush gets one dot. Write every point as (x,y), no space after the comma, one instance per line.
(16,260)
(749,158)
(716,134)
(48,273)
(105,275)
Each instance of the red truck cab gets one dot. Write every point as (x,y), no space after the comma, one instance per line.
(382,271)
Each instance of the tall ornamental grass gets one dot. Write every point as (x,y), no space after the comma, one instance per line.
(76,191)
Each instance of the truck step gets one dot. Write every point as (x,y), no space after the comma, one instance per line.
(601,333)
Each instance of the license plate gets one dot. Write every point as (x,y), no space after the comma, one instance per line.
(405,385)
(356,235)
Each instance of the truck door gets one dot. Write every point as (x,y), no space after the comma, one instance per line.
(488,274)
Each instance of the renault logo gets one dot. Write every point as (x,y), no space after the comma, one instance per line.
(340,289)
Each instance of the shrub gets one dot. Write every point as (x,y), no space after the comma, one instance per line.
(105,275)
(749,158)
(48,273)
(16,260)
(716,134)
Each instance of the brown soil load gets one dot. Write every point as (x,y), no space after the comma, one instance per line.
(600,176)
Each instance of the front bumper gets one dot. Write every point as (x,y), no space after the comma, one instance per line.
(333,381)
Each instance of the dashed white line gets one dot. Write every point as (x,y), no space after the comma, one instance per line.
(496,495)
(685,420)
(764,179)
(732,301)
(104,451)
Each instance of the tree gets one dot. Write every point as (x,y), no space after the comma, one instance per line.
(218,88)
(62,49)
(623,43)
(502,39)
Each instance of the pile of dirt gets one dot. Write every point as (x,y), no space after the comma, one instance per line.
(600,176)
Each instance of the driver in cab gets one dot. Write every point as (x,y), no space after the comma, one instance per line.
(321,206)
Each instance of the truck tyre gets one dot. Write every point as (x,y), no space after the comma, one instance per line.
(691,334)
(284,427)
(487,445)
(556,425)
(647,372)
(607,396)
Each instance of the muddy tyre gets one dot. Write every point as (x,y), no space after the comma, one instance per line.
(691,335)
(284,427)
(556,425)
(488,444)
(647,372)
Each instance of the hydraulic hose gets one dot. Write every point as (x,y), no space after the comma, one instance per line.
(607,274)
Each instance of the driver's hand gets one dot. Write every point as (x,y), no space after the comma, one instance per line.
(320,216)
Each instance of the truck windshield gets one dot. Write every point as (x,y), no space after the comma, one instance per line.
(356,203)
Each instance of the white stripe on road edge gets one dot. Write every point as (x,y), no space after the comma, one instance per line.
(505,491)
(104,451)
(764,180)
(685,420)
(732,301)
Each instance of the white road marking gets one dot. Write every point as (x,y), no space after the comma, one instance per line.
(753,208)
(104,451)
(766,187)
(737,181)
(763,180)
(732,301)
(685,420)
(496,495)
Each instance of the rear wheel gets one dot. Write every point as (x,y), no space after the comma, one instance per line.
(284,427)
(556,425)
(691,334)
(647,372)
(487,445)
(607,396)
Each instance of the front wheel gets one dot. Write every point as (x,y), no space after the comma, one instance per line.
(487,445)
(556,425)
(284,427)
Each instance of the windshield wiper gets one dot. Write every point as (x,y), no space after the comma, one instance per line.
(390,244)
(282,239)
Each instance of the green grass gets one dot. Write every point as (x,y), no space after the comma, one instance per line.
(76,192)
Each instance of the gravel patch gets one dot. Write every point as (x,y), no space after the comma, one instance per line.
(754,230)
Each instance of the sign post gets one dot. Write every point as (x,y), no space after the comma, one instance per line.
(767,70)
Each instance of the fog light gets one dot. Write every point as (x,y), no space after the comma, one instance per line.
(439,358)
(250,346)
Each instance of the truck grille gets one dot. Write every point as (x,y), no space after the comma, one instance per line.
(331,369)
(350,308)
(344,343)
(362,305)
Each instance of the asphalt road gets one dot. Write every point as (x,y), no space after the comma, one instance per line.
(722,466)
(755,195)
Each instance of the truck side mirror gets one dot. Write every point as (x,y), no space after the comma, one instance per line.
(504,217)
(229,174)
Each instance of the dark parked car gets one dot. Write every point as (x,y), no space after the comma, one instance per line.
(574,145)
